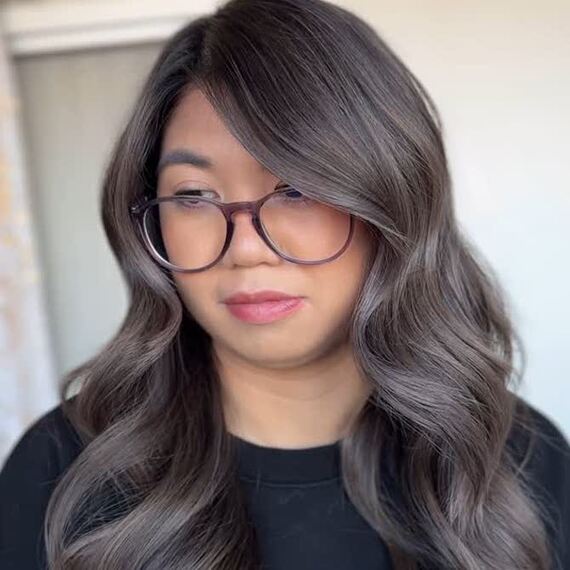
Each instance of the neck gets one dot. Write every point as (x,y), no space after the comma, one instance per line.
(302,406)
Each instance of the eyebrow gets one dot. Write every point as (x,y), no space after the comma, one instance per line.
(184,156)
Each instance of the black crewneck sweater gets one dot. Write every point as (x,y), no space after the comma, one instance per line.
(302,515)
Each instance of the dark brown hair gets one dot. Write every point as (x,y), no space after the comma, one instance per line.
(319,99)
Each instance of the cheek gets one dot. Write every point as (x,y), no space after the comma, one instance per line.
(339,287)
(345,275)
(196,294)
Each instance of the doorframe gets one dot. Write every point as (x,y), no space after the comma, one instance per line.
(31,27)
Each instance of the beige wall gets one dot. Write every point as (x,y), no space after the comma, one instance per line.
(500,74)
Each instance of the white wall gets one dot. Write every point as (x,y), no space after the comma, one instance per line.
(499,72)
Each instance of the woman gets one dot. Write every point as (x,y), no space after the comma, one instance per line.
(315,369)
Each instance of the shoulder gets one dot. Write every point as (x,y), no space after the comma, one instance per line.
(543,456)
(47,445)
(544,445)
(27,478)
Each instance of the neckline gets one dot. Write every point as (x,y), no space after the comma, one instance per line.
(265,464)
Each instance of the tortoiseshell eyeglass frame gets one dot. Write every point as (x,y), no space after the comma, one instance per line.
(138,211)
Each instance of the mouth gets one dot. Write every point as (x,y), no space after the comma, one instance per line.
(247,297)
(266,311)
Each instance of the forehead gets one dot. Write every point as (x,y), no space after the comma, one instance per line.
(194,117)
(196,125)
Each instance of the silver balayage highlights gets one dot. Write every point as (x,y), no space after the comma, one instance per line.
(319,99)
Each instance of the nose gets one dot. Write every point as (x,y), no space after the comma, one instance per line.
(247,246)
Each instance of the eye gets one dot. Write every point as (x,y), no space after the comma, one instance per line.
(288,196)
(192,192)
(287,189)
(293,193)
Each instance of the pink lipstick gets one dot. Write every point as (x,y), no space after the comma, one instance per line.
(262,306)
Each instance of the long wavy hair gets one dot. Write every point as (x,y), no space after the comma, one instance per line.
(317,97)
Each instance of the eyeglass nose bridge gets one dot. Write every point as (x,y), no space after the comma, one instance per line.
(232,208)
(251,206)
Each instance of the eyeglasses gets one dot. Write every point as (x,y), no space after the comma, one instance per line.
(189,233)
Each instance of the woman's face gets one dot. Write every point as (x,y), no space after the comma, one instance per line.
(329,290)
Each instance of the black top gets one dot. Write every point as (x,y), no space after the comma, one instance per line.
(295,497)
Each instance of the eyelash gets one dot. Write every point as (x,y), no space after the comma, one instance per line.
(187,191)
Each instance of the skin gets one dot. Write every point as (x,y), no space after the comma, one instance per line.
(291,383)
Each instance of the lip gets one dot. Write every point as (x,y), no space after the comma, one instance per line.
(242,297)
(266,312)
(263,306)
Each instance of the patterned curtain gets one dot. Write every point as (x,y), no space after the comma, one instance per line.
(27,372)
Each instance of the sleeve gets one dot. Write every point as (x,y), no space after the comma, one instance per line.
(27,480)
(549,468)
